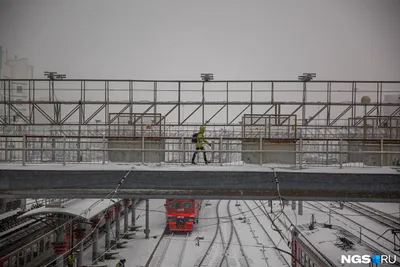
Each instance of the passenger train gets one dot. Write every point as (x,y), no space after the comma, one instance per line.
(182,214)
(322,245)
(35,249)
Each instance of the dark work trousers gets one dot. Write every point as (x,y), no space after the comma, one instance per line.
(195,153)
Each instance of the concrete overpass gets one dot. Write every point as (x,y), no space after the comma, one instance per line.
(367,184)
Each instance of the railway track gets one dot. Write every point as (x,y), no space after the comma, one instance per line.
(233,232)
(167,251)
(282,259)
(376,215)
(372,240)
(214,238)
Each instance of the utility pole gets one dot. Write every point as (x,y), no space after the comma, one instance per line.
(306,77)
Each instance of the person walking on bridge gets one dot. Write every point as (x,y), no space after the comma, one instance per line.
(200,144)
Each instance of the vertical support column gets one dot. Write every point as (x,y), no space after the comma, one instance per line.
(6,147)
(300,209)
(251,103)
(95,253)
(155,103)
(328,101)
(64,144)
(293,204)
(142,145)
(108,217)
(104,149)
(301,153)
(133,209)
(60,247)
(382,152)
(227,101)
(127,202)
(147,230)
(22,206)
(202,102)
(117,209)
(304,104)
(220,150)
(340,153)
(24,150)
(179,103)
(80,235)
(130,100)
(272,92)
(261,152)
(183,150)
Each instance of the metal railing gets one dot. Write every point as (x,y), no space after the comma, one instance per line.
(299,153)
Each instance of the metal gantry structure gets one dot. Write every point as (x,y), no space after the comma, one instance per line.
(246,109)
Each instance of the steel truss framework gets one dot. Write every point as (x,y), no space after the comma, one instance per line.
(76,114)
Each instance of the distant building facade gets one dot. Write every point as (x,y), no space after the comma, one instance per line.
(14,90)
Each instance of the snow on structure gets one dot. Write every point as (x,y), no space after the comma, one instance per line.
(85,208)
(347,168)
(324,246)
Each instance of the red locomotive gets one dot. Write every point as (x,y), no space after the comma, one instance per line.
(182,214)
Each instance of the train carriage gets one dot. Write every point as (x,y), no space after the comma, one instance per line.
(323,245)
(182,214)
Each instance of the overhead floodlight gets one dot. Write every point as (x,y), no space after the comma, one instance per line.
(306,77)
(207,77)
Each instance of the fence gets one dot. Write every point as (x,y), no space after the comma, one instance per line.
(286,152)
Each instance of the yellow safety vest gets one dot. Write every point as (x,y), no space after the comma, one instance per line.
(70,259)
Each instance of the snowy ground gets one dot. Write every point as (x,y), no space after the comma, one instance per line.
(252,246)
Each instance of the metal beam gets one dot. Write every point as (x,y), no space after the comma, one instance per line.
(262,116)
(191,114)
(41,111)
(22,116)
(340,115)
(366,115)
(239,114)
(141,115)
(316,114)
(70,114)
(390,116)
(169,112)
(200,183)
(94,114)
(291,114)
(215,114)
(120,112)
(195,103)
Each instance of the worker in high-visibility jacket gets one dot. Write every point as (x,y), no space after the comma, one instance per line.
(70,260)
(200,145)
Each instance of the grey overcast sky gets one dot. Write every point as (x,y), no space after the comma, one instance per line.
(179,39)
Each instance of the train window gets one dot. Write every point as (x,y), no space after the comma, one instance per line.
(302,257)
(47,244)
(174,205)
(35,250)
(187,205)
(5,264)
(21,256)
(14,261)
(28,254)
(41,246)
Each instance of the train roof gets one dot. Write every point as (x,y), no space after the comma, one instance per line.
(76,207)
(330,243)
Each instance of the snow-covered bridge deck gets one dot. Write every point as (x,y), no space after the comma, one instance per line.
(368,184)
